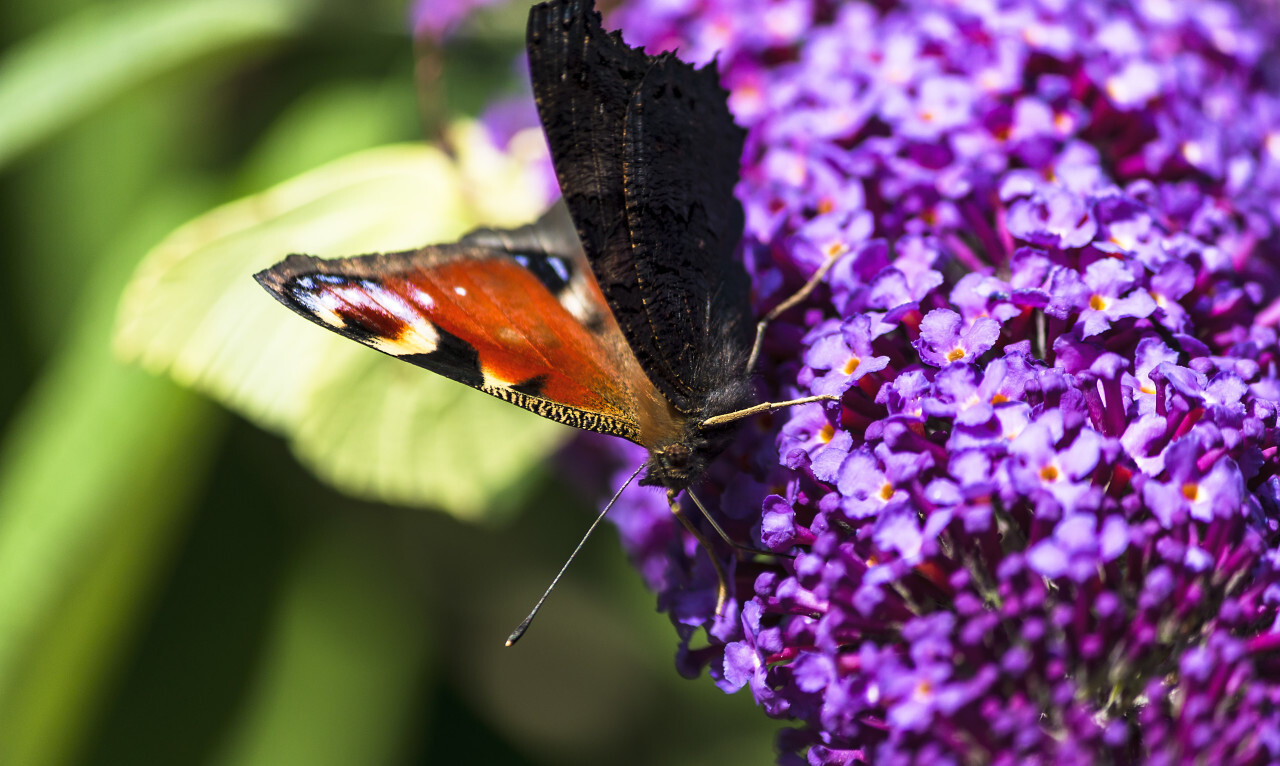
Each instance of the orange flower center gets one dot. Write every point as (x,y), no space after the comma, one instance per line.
(826,433)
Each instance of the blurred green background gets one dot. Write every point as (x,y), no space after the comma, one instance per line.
(174,587)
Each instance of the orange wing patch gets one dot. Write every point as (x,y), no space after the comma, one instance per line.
(532,337)
(488,323)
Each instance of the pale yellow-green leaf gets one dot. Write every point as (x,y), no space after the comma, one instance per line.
(368,423)
(437,442)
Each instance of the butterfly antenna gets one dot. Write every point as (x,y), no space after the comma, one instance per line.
(722,594)
(778,310)
(720,531)
(729,417)
(523,626)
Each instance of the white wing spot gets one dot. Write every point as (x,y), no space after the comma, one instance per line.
(460,291)
(421,297)
(393,304)
(324,306)
(420,337)
(417,336)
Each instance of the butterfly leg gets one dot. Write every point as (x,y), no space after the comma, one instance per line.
(714,524)
(722,593)
(778,310)
(742,550)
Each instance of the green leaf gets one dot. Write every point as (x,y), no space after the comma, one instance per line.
(85,529)
(96,471)
(370,424)
(339,678)
(56,78)
(328,122)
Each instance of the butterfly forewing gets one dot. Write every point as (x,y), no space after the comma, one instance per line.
(485,317)
(582,80)
(551,250)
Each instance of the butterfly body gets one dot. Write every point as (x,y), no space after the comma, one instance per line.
(623,310)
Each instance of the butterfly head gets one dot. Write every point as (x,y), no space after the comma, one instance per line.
(680,464)
(680,456)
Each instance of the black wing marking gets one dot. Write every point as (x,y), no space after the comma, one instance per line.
(680,296)
(682,153)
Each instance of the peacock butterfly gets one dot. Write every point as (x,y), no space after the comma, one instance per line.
(623,309)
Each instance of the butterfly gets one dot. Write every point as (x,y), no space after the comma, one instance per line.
(623,309)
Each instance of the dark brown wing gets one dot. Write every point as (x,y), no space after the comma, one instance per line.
(647,156)
(682,152)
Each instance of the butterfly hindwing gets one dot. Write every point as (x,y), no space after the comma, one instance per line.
(511,313)
(647,155)
(582,80)
(682,152)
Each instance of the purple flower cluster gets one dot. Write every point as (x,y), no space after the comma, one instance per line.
(1043,523)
